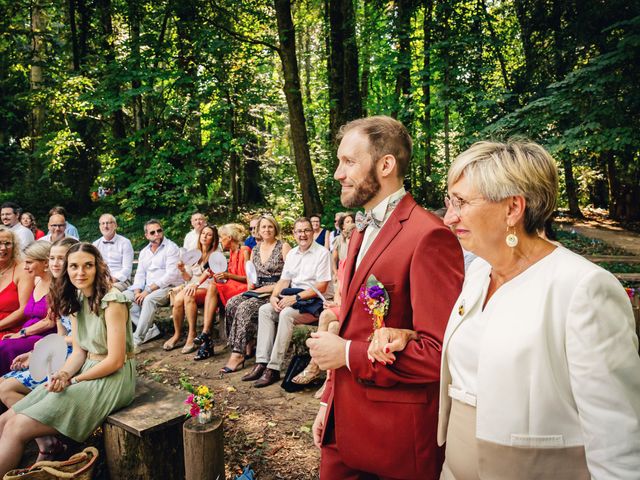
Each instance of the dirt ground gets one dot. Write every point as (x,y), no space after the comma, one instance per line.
(266,428)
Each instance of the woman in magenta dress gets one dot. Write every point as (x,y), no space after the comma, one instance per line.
(38,323)
(227,284)
(15,283)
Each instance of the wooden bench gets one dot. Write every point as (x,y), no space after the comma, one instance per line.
(613,258)
(144,440)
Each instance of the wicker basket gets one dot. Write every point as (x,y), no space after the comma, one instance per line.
(79,466)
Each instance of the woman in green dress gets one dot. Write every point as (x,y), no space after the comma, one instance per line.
(97,378)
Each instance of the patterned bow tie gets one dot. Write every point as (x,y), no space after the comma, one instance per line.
(108,242)
(364,219)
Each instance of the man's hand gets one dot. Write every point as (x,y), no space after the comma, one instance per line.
(140,296)
(318,426)
(328,350)
(274,301)
(385,341)
(286,301)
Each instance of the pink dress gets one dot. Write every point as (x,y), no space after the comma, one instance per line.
(232,287)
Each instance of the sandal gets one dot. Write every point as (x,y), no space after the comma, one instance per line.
(205,351)
(188,348)
(226,370)
(202,338)
(308,375)
(169,345)
(57,451)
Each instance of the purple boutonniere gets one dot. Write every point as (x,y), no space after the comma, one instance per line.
(375,300)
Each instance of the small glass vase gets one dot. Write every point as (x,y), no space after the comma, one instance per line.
(205,416)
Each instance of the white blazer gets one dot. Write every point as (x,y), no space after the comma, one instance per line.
(558,364)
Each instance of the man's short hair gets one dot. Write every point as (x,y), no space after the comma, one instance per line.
(13,206)
(58,210)
(151,222)
(110,217)
(301,220)
(387,136)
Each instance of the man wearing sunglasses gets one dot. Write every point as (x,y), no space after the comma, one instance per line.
(157,273)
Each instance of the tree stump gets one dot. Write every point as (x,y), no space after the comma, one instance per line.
(203,450)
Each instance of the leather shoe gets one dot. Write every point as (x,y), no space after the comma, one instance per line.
(269,377)
(255,373)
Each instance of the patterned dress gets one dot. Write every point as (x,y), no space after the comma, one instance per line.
(242,312)
(24,376)
(81,408)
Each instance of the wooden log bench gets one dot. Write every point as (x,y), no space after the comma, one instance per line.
(144,440)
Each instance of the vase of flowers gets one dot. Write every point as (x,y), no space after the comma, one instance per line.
(200,401)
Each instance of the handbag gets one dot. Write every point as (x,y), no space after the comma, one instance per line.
(298,363)
(79,466)
(310,305)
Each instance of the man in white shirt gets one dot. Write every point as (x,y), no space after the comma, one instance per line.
(116,251)
(57,228)
(157,272)
(10,215)
(198,221)
(308,265)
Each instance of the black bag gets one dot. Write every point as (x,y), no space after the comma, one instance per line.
(310,305)
(297,365)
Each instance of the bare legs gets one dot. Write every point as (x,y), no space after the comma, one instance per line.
(11,391)
(191,311)
(328,321)
(177,313)
(15,431)
(210,307)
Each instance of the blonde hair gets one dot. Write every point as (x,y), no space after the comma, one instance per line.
(273,222)
(38,250)
(15,252)
(233,230)
(500,170)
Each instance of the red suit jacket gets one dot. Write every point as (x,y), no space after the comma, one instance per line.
(385,416)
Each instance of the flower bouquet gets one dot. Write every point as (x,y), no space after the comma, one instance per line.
(200,401)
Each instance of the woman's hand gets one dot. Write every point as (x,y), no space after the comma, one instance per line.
(221,276)
(21,362)
(180,266)
(387,340)
(59,381)
(190,290)
(9,336)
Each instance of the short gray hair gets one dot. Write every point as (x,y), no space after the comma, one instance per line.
(500,170)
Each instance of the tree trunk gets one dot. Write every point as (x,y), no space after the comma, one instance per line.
(287,52)
(495,45)
(345,103)
(446,88)
(571,187)
(427,186)
(403,107)
(36,74)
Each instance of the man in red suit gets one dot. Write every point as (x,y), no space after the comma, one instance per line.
(375,420)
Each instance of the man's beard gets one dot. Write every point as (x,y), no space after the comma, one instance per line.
(363,192)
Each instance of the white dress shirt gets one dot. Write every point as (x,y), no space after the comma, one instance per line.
(47,237)
(380,212)
(191,240)
(118,254)
(158,268)
(305,269)
(25,236)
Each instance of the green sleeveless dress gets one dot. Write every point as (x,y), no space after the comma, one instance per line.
(81,408)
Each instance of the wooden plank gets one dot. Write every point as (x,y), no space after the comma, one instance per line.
(613,258)
(628,277)
(155,407)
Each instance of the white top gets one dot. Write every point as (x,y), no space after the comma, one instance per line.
(558,363)
(118,254)
(380,212)
(159,268)
(191,240)
(47,237)
(25,236)
(305,269)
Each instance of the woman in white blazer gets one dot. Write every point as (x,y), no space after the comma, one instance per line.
(540,374)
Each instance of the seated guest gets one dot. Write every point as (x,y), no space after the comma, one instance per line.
(57,228)
(336,232)
(116,251)
(16,284)
(540,363)
(307,265)
(339,251)
(186,301)
(19,382)
(10,214)
(242,310)
(191,239)
(251,240)
(97,378)
(320,234)
(156,274)
(29,221)
(70,230)
(226,285)
(38,323)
